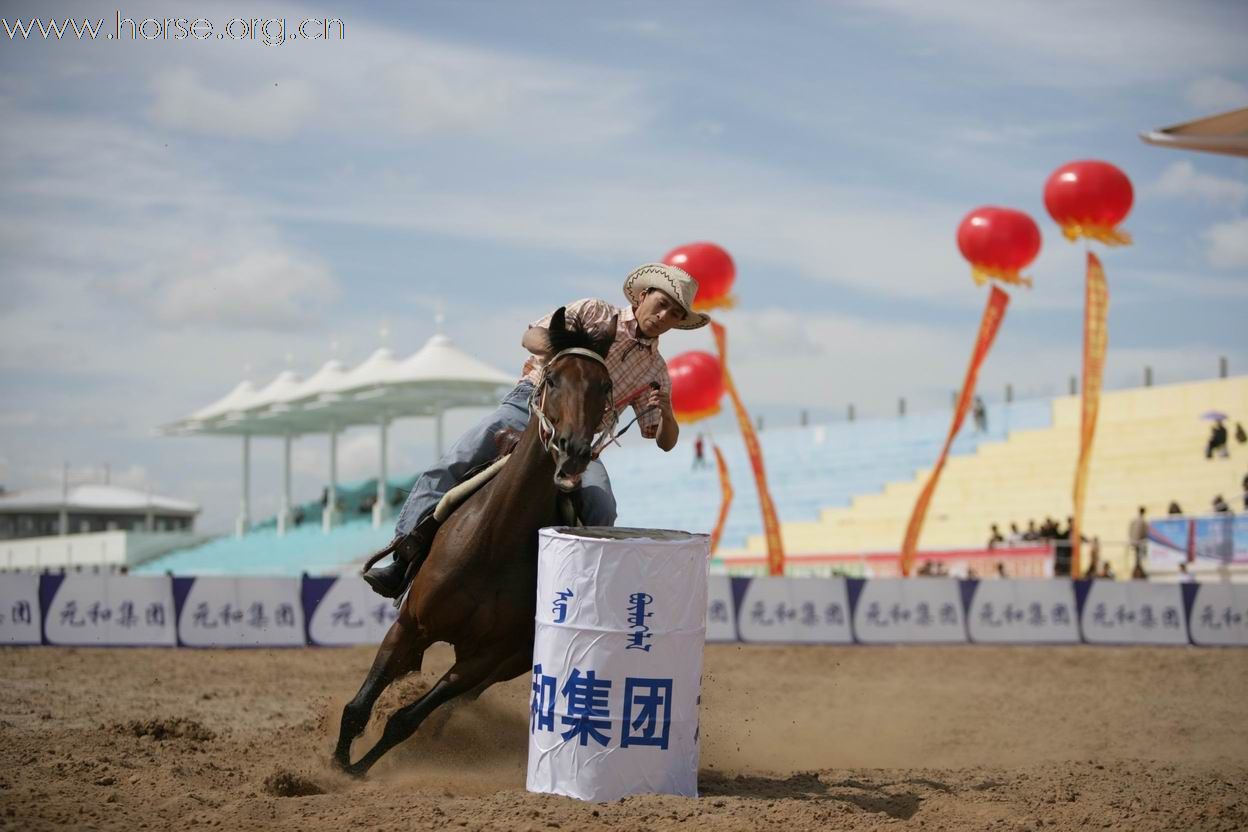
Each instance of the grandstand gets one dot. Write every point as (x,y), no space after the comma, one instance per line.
(849,487)
(1149,451)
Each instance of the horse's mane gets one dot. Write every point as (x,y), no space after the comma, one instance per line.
(563,337)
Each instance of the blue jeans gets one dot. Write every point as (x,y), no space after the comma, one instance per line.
(594,501)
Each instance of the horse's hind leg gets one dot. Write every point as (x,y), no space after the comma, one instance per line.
(401,651)
(463,676)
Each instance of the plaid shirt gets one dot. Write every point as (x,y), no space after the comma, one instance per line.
(633,359)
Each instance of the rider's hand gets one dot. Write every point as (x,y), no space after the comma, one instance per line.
(658,398)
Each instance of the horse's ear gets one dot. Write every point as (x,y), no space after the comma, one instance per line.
(559,321)
(603,340)
(561,336)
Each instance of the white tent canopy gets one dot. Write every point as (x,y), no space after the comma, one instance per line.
(437,377)
(379,390)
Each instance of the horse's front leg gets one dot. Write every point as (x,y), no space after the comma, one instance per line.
(465,675)
(401,651)
(518,663)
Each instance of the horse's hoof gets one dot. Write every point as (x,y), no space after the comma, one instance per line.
(355,772)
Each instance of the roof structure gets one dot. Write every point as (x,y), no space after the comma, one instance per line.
(1223,133)
(382,387)
(92,497)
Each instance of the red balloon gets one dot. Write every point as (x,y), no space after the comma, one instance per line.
(999,242)
(697,385)
(1089,199)
(712,267)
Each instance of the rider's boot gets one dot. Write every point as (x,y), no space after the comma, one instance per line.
(409,553)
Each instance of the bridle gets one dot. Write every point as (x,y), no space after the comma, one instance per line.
(546,430)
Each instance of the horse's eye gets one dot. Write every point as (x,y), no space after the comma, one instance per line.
(552,381)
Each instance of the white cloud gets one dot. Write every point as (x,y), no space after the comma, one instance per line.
(1183,180)
(273,111)
(115,215)
(1228,244)
(1216,94)
(1083,42)
(261,289)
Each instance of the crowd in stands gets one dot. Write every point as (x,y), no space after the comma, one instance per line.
(1047,532)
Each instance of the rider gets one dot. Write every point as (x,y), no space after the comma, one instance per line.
(660,298)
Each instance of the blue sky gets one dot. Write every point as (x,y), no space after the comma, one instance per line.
(180,215)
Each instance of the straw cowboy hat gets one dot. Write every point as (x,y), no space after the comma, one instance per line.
(674,282)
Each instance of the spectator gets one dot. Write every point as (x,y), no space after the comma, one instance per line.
(699,452)
(1107,571)
(1220,506)
(1185,577)
(366,504)
(1094,563)
(1241,436)
(300,516)
(1245,485)
(1137,536)
(980,414)
(1217,441)
(1175,509)
(1048,531)
(995,539)
(1032,532)
(1001,569)
(926,569)
(1016,537)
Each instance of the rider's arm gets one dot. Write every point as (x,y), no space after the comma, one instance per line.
(669,431)
(537,341)
(654,411)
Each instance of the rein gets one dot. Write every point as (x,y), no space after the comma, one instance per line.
(608,435)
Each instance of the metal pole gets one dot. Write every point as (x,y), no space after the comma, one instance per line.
(63,520)
(851,413)
(1009,393)
(1222,366)
(244,513)
(283,513)
(1148,376)
(381,507)
(901,406)
(330,515)
(1074,385)
(437,433)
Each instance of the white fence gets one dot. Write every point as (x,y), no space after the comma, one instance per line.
(116,548)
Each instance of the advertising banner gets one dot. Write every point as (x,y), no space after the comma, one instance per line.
(108,610)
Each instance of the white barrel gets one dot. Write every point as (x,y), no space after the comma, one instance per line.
(617,662)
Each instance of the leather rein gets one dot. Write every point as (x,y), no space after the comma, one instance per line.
(610,418)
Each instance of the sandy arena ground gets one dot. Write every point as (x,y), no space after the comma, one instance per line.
(793,738)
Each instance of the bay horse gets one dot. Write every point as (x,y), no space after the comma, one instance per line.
(477,588)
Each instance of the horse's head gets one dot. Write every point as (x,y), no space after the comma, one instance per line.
(573,397)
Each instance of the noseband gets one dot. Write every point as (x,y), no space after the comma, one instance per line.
(546,430)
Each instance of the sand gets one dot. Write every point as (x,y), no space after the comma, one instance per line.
(793,738)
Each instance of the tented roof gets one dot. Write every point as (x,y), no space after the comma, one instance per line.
(91,497)
(1225,133)
(436,377)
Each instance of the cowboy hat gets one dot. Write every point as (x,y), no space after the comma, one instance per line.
(675,283)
